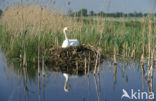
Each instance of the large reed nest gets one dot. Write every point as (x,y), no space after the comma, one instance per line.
(74,60)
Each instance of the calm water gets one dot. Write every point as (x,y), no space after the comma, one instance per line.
(18,84)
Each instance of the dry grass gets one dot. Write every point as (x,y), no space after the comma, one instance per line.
(105,33)
(35,19)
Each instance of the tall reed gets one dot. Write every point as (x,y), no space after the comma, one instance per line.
(44,27)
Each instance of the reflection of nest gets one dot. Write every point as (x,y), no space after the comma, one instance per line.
(73,60)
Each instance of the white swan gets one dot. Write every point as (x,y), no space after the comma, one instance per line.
(69,42)
(67,76)
(66,81)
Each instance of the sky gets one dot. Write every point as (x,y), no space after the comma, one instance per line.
(126,6)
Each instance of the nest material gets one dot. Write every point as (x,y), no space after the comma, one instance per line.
(71,60)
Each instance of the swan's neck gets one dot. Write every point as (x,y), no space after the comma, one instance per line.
(66,81)
(64,31)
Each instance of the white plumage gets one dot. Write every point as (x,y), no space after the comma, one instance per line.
(67,76)
(69,42)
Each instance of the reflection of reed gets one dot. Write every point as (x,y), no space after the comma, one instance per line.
(43,76)
(97,88)
(39,88)
(19,86)
(99,82)
(143,73)
(43,86)
(123,70)
(25,82)
(150,86)
(115,71)
(88,87)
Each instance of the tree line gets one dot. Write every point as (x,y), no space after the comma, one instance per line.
(84,12)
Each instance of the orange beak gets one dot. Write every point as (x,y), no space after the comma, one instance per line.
(69,30)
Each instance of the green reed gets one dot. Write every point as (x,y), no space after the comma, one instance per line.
(126,34)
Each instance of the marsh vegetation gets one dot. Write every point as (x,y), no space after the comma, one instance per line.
(27,31)
(31,36)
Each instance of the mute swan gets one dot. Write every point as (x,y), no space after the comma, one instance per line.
(66,81)
(69,42)
(67,76)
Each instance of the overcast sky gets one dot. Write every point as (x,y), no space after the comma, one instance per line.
(126,6)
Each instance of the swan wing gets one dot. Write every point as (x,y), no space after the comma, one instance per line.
(73,42)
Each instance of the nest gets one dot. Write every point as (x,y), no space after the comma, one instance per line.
(74,60)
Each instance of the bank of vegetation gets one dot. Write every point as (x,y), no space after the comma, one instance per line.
(27,31)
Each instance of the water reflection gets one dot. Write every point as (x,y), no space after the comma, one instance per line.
(56,83)
(115,72)
(143,75)
(97,86)
(66,89)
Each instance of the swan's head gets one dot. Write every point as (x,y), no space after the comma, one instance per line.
(67,89)
(66,29)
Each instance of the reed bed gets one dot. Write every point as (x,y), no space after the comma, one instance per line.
(32,29)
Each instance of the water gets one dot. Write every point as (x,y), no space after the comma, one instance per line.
(21,84)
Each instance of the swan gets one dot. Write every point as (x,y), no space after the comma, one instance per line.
(66,81)
(67,76)
(69,42)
